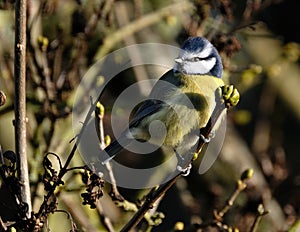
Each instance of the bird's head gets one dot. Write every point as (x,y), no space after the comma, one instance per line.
(199,57)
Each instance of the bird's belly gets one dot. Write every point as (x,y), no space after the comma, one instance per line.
(179,123)
(178,118)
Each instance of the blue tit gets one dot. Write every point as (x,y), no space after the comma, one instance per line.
(182,100)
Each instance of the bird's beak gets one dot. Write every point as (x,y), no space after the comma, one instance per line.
(178,60)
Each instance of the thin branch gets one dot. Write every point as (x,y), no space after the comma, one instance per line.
(77,168)
(260,213)
(2,98)
(107,8)
(149,202)
(141,23)
(219,216)
(99,115)
(115,194)
(104,219)
(64,169)
(2,224)
(140,73)
(20,101)
(73,227)
(1,157)
(240,186)
(57,157)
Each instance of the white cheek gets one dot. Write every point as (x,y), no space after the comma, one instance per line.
(207,65)
(200,67)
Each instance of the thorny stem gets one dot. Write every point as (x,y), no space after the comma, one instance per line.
(20,101)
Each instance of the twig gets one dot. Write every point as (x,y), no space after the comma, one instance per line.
(117,198)
(218,216)
(1,157)
(104,219)
(77,168)
(240,186)
(140,72)
(2,98)
(2,224)
(56,156)
(260,213)
(92,23)
(20,101)
(64,169)
(107,8)
(73,227)
(49,85)
(99,114)
(141,23)
(149,202)
(115,194)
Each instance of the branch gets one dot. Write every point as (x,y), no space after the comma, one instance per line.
(20,101)
(65,169)
(219,215)
(260,213)
(2,98)
(240,186)
(77,212)
(140,24)
(104,219)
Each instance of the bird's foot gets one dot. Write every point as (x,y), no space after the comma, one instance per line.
(184,171)
(182,164)
(210,137)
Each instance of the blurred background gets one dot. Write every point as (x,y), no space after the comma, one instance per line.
(259,44)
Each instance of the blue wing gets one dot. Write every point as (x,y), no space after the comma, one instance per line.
(156,97)
(148,107)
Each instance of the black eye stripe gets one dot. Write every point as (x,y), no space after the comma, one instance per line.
(197,58)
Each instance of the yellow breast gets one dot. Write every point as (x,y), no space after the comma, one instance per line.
(188,107)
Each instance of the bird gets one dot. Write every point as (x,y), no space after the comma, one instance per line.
(179,105)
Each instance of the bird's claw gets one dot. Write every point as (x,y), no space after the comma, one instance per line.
(184,171)
(210,136)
